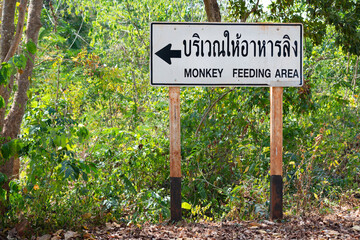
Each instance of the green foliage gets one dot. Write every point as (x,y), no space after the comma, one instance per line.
(318,15)
(5,73)
(315,15)
(94,144)
(3,179)
(19,61)
(241,9)
(247,202)
(55,180)
(10,149)
(16,64)
(30,47)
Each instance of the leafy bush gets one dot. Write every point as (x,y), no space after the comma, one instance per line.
(94,144)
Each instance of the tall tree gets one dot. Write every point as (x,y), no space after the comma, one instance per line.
(316,15)
(23,64)
(212,10)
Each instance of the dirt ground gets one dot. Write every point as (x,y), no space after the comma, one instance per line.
(341,223)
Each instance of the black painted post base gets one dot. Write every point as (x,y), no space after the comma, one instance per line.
(276,197)
(175,198)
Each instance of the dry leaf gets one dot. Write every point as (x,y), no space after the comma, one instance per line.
(56,238)
(108,226)
(86,215)
(115,224)
(254,224)
(57,233)
(277,234)
(331,232)
(356,228)
(269,222)
(45,237)
(70,234)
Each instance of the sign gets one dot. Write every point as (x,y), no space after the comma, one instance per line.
(226,54)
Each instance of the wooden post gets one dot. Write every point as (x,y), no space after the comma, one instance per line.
(276,146)
(175,154)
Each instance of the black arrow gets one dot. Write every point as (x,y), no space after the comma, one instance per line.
(166,53)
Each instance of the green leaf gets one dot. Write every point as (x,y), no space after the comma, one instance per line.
(44,32)
(186,206)
(19,61)
(82,133)
(76,171)
(5,150)
(2,102)
(31,47)
(5,73)
(85,176)
(93,167)
(69,172)
(14,187)
(2,178)
(128,184)
(15,146)
(2,194)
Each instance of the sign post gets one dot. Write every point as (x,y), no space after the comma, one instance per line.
(175,154)
(227,54)
(276,145)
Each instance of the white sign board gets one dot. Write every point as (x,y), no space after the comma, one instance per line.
(226,54)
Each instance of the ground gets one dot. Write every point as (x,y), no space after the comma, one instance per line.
(342,222)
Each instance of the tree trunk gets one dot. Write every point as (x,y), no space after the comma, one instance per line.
(7,27)
(212,10)
(12,122)
(1,9)
(19,30)
(5,91)
(7,35)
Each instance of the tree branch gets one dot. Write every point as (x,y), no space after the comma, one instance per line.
(355,73)
(19,29)
(13,120)
(7,26)
(5,91)
(7,34)
(1,9)
(211,106)
(212,10)
(243,19)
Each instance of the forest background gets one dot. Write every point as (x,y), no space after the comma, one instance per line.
(94,144)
